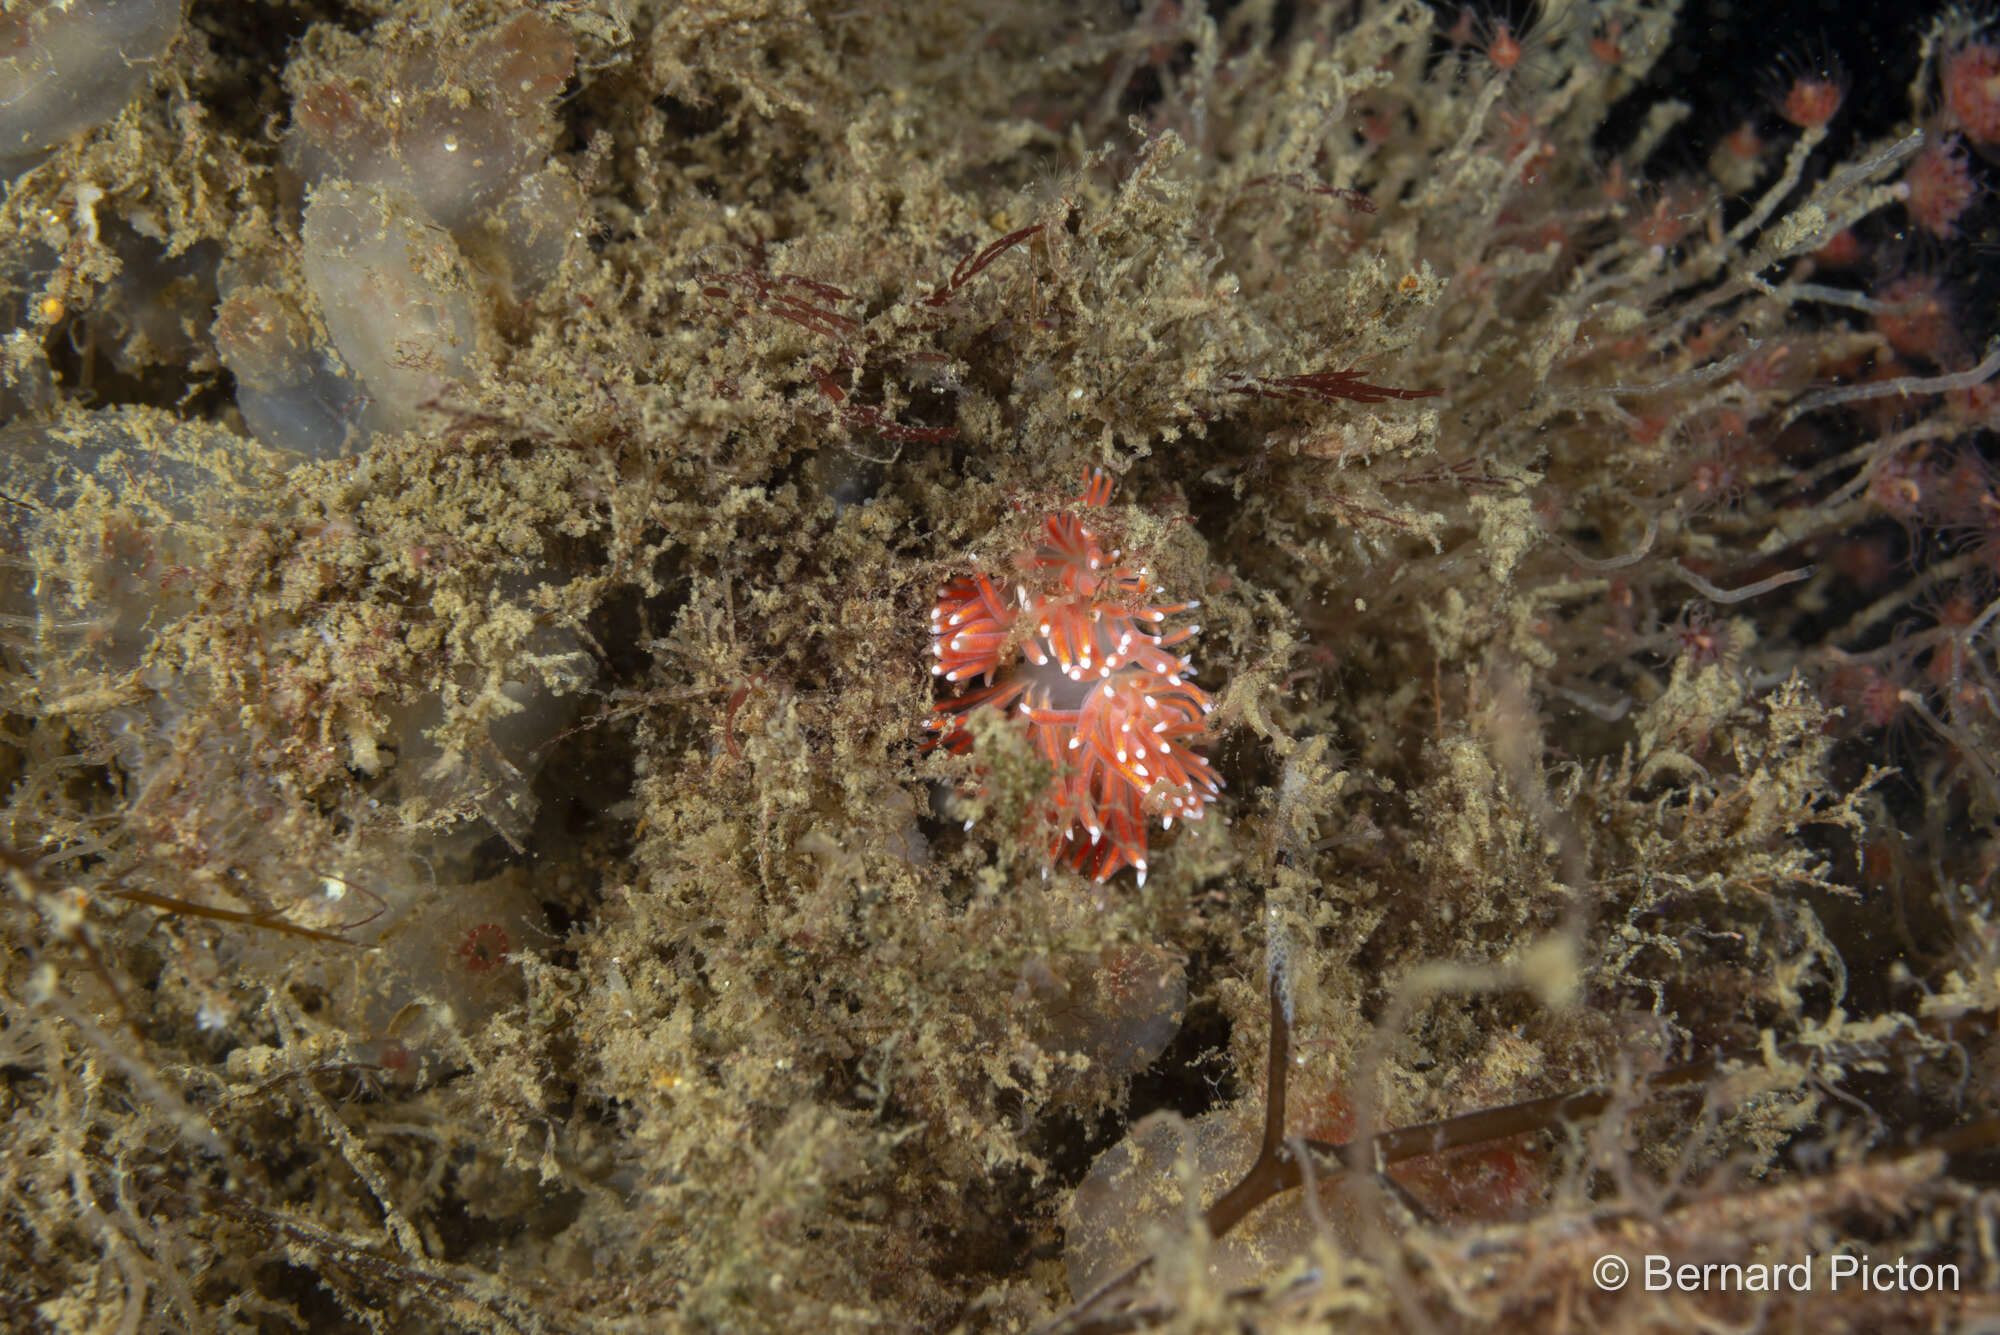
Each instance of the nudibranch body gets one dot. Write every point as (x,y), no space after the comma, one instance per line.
(1097,679)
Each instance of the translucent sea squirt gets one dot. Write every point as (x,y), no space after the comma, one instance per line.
(1096,677)
(65,67)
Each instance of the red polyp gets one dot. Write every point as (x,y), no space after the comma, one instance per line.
(1915,317)
(1811,102)
(1097,682)
(1941,186)
(1971,76)
(1807,88)
(484,947)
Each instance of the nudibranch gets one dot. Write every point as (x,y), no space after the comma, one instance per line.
(1095,676)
